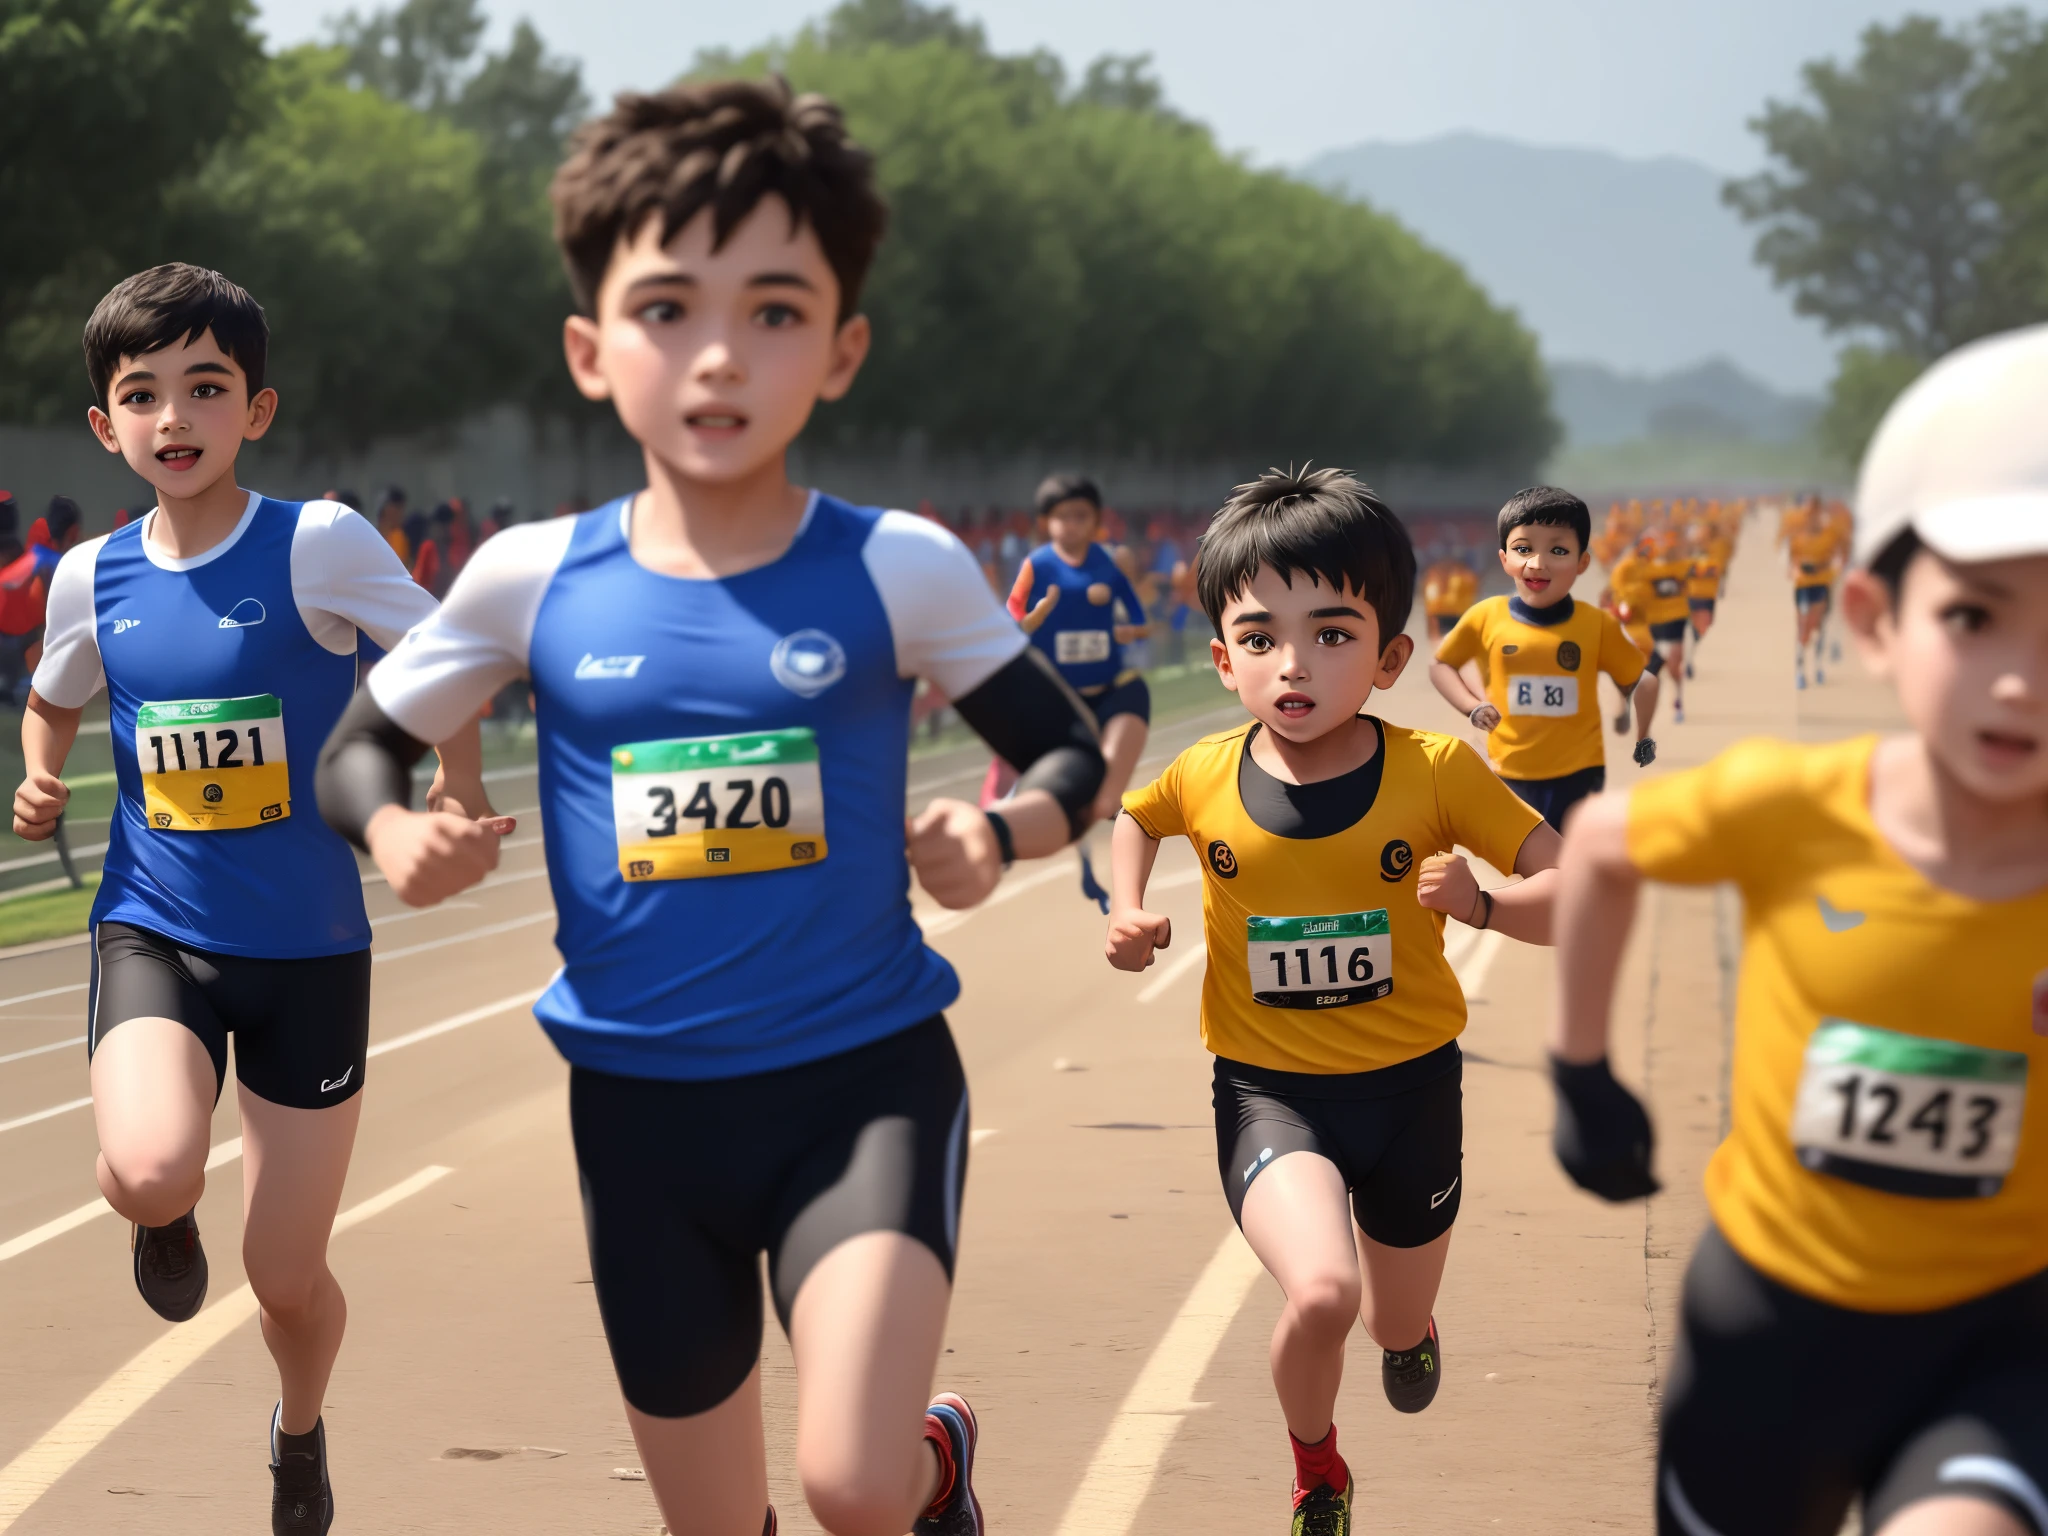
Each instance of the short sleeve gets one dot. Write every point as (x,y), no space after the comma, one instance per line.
(1712,822)
(1620,658)
(947,625)
(1466,641)
(70,671)
(345,570)
(1157,807)
(441,674)
(1480,811)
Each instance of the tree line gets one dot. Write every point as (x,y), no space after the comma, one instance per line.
(1072,264)
(1907,203)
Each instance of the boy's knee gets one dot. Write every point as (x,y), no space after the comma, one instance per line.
(156,1189)
(288,1289)
(1326,1304)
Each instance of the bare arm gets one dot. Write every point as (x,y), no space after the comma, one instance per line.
(1644,695)
(47,733)
(1451,683)
(1134,933)
(458,785)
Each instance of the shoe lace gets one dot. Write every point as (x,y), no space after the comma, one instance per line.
(1322,1513)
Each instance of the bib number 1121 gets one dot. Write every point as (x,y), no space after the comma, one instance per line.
(210,765)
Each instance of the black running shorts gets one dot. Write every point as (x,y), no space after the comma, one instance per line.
(687,1184)
(1553,799)
(1397,1135)
(1128,695)
(1669,630)
(301,1027)
(1783,1410)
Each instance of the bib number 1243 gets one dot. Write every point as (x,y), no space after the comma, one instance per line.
(1320,962)
(717,805)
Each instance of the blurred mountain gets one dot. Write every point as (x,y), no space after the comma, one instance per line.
(1712,401)
(1634,264)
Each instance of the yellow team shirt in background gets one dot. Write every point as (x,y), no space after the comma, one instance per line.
(1665,575)
(1542,677)
(1703,579)
(1813,559)
(1320,957)
(1888,1131)
(1448,588)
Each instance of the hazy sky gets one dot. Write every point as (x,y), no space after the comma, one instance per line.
(1283,79)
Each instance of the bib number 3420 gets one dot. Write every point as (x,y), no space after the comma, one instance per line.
(717,805)
(211,765)
(1907,1114)
(1320,962)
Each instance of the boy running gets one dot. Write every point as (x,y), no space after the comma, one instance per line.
(1325,836)
(223,625)
(1866,1321)
(724,664)
(1664,570)
(1066,597)
(1449,587)
(1541,654)
(1703,575)
(1814,551)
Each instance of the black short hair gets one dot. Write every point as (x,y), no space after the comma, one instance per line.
(1054,489)
(1324,522)
(722,145)
(1889,564)
(168,304)
(1548,506)
(61,516)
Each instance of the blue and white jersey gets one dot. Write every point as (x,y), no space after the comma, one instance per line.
(722,774)
(1079,635)
(224,673)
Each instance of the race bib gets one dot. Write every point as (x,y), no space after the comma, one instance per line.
(1071,646)
(717,805)
(1320,962)
(209,765)
(1665,586)
(1538,695)
(1909,1115)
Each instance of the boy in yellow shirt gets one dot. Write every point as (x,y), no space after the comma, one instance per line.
(1866,1321)
(1325,836)
(1540,653)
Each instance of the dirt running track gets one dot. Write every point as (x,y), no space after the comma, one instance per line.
(1109,1325)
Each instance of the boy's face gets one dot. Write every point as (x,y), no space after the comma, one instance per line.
(1073,524)
(1966,646)
(1543,561)
(1304,658)
(714,359)
(180,414)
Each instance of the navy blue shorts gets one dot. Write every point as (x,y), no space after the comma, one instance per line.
(1129,696)
(1554,798)
(1810,597)
(1669,630)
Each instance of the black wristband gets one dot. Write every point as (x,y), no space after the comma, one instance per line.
(1004,841)
(1486,918)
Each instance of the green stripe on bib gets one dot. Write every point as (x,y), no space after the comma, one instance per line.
(1299,930)
(1837,1041)
(257,706)
(756,749)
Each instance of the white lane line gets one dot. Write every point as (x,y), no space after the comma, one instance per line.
(945,920)
(129,1390)
(41,1050)
(30,997)
(464,937)
(1477,962)
(1173,970)
(976,1138)
(1127,1460)
(226,1152)
(459,1021)
(45,1114)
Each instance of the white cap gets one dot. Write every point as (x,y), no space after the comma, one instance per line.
(1961,458)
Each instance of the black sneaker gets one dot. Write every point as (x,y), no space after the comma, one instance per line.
(1322,1511)
(960,1515)
(170,1268)
(1410,1375)
(301,1502)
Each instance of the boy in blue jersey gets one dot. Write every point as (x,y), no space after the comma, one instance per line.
(1066,597)
(223,626)
(723,665)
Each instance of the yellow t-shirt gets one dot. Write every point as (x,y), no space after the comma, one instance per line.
(1541,679)
(1320,957)
(1666,578)
(1888,1142)
(1813,558)
(1448,588)
(1703,578)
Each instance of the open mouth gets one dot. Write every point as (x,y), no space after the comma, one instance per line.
(1536,583)
(2005,748)
(719,422)
(1294,706)
(180,457)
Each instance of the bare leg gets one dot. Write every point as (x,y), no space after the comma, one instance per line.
(709,1471)
(152,1100)
(1957,1515)
(866,1331)
(293,1165)
(1399,1290)
(1297,1218)
(1123,742)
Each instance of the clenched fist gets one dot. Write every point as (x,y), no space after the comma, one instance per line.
(1134,934)
(1445,883)
(955,853)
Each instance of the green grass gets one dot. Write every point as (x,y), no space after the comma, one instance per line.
(46,915)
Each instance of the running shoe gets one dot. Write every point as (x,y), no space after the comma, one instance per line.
(1820,675)
(1677,714)
(960,1512)
(1323,1511)
(1799,678)
(1091,887)
(170,1268)
(1410,1375)
(300,1499)
(1688,669)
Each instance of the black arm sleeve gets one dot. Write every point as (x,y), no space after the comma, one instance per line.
(365,766)
(1039,725)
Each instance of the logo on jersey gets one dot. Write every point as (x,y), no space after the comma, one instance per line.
(1222,860)
(1509,650)
(807,662)
(1568,655)
(1836,920)
(1396,859)
(122,626)
(608,666)
(244,615)
(212,793)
